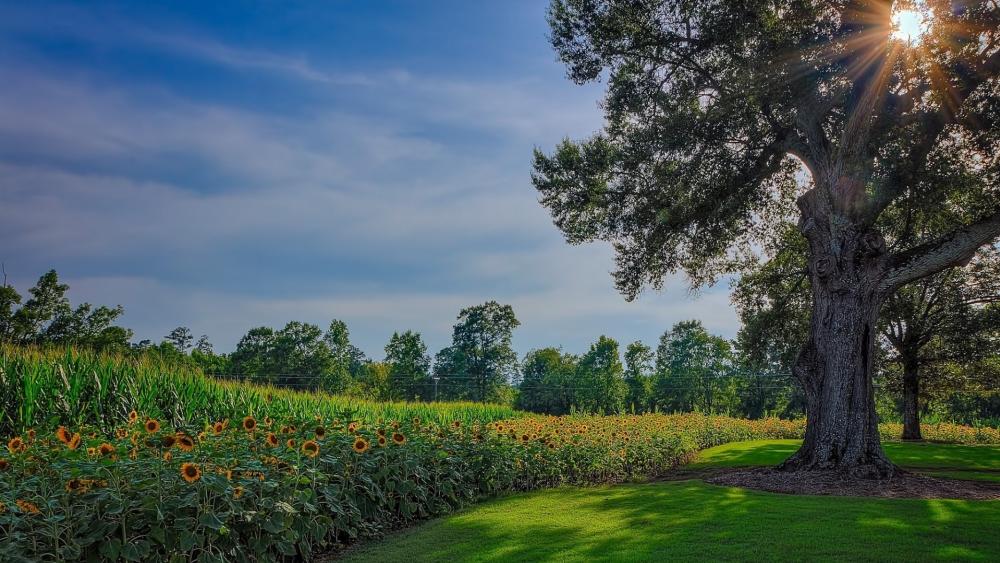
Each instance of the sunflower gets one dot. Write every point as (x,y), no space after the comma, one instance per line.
(152,426)
(168,441)
(237,492)
(398,438)
(63,435)
(290,443)
(74,442)
(4,465)
(272,440)
(75,486)
(31,434)
(382,441)
(26,506)
(249,423)
(352,427)
(218,427)
(133,454)
(525,438)
(106,449)
(121,433)
(91,452)
(360,445)
(416,421)
(310,448)
(268,421)
(167,456)
(456,424)
(133,417)
(185,442)
(190,472)
(15,445)
(320,432)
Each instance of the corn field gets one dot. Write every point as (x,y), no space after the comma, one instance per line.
(49,387)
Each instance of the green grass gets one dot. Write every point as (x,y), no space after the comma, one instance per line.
(953,461)
(693,521)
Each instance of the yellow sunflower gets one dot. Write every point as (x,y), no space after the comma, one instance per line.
(310,448)
(190,472)
(15,445)
(74,442)
(398,438)
(63,435)
(106,449)
(185,442)
(272,440)
(26,506)
(360,445)
(249,423)
(152,426)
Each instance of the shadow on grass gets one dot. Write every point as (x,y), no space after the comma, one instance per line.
(692,521)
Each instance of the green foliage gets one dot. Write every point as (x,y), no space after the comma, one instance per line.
(299,355)
(639,370)
(600,375)
(547,382)
(409,366)
(44,387)
(48,318)
(242,492)
(480,364)
(692,370)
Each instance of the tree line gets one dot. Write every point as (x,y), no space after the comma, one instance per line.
(689,369)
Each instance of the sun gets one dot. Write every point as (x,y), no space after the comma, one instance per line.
(909,26)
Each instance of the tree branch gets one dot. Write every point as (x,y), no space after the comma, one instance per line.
(953,249)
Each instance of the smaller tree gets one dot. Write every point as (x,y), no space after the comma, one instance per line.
(204,346)
(639,370)
(481,363)
(601,378)
(409,366)
(693,369)
(547,382)
(180,338)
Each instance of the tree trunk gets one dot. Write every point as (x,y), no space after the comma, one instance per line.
(835,366)
(911,400)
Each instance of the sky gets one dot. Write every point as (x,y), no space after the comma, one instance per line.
(224,165)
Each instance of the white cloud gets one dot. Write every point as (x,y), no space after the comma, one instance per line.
(178,209)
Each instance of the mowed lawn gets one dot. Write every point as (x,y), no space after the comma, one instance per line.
(694,521)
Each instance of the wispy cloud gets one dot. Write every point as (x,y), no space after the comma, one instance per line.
(391,199)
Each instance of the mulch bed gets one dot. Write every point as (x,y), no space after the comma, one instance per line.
(903,485)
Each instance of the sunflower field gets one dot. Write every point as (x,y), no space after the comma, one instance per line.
(262,489)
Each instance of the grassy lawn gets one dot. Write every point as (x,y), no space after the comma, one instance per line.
(694,521)
(952,461)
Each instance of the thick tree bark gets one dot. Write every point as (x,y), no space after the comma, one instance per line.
(911,400)
(835,366)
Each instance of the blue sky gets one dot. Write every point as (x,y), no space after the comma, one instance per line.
(223,165)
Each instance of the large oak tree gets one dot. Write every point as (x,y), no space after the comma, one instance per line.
(711,108)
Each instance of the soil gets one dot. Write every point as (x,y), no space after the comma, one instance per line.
(904,484)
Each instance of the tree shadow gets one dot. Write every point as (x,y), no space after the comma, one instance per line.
(693,521)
